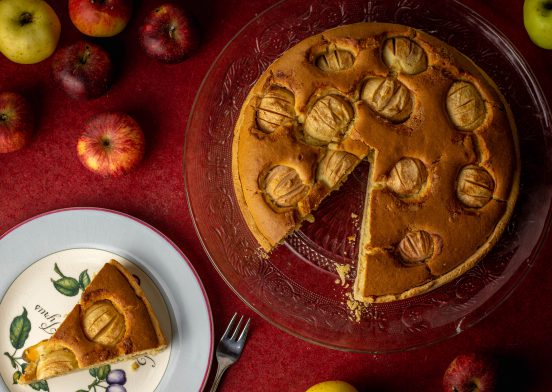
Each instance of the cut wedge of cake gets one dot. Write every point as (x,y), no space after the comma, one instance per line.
(113,322)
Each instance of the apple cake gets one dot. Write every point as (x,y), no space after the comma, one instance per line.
(439,137)
(113,322)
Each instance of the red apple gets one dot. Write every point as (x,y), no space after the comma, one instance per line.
(168,34)
(16,122)
(111,144)
(83,70)
(470,373)
(100,18)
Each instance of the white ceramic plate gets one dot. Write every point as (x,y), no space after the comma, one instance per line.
(79,241)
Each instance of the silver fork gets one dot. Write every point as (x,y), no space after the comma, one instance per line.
(230,348)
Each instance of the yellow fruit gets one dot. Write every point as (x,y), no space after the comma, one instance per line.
(332,386)
(29,30)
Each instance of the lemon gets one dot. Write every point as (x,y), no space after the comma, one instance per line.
(332,386)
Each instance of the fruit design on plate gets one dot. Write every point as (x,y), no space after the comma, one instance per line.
(103,18)
(439,137)
(29,30)
(19,333)
(70,286)
(16,122)
(55,361)
(111,144)
(107,379)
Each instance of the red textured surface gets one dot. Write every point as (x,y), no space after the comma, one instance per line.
(48,175)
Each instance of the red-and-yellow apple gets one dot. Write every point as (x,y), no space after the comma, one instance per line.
(168,34)
(16,122)
(537,18)
(470,373)
(84,70)
(100,18)
(111,144)
(29,30)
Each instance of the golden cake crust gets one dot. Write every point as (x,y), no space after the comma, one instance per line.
(411,99)
(116,290)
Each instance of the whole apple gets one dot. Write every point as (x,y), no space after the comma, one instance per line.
(29,30)
(100,18)
(111,144)
(332,386)
(470,373)
(84,70)
(16,122)
(537,17)
(168,34)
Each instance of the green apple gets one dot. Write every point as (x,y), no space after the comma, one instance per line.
(537,17)
(29,30)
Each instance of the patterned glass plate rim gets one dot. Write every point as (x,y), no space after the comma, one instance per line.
(276,288)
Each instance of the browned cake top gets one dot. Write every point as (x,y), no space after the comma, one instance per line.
(112,321)
(438,134)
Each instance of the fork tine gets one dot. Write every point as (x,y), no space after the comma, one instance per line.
(229,327)
(243,334)
(237,329)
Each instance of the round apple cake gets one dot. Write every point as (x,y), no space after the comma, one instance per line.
(439,136)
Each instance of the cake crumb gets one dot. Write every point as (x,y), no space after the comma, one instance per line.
(353,215)
(261,253)
(351,238)
(355,307)
(342,270)
(135,365)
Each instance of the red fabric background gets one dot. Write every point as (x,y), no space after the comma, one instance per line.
(47,175)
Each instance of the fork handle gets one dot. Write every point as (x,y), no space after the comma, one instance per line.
(221,368)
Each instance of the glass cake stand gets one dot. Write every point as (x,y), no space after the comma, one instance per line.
(298,287)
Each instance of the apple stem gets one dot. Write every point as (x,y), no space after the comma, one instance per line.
(172,30)
(3,117)
(85,55)
(25,18)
